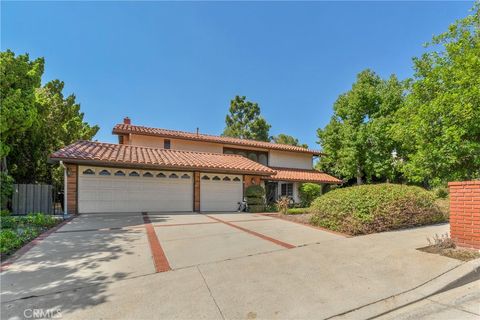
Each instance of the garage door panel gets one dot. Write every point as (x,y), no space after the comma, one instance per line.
(217,194)
(114,193)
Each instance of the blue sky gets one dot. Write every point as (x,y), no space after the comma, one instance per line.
(177,65)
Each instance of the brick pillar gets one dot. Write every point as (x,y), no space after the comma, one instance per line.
(72,184)
(249,180)
(465,213)
(196,191)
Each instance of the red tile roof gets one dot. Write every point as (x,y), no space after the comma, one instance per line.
(128,155)
(128,128)
(302,175)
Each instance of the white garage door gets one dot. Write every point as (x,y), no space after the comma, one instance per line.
(220,192)
(127,190)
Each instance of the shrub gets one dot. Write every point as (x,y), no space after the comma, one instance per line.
(41,220)
(441,192)
(375,208)
(254,191)
(282,204)
(297,210)
(309,192)
(255,199)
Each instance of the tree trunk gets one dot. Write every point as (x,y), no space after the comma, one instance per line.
(359,176)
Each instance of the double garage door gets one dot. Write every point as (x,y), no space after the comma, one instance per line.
(102,189)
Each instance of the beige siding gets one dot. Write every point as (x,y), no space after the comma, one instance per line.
(157,142)
(290,160)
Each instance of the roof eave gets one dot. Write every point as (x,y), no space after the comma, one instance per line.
(123,131)
(123,164)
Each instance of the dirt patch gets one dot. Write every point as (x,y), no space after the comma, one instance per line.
(455,253)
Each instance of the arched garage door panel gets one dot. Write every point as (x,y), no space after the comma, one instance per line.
(220,192)
(126,190)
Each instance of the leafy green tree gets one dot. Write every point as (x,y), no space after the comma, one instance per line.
(286,139)
(439,126)
(59,122)
(357,140)
(244,121)
(19,77)
(309,192)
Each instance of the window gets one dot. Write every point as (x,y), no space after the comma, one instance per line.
(185,176)
(148,174)
(257,156)
(236,179)
(89,172)
(205,178)
(161,175)
(287,189)
(166,144)
(173,176)
(216,178)
(120,173)
(134,174)
(104,173)
(226,179)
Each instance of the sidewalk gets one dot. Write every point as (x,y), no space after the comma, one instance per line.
(462,302)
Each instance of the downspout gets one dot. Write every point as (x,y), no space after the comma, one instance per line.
(65,211)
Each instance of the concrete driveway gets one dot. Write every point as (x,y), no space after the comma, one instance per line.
(211,266)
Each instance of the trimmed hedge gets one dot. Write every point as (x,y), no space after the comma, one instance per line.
(255,199)
(375,208)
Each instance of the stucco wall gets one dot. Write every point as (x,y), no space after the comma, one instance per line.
(157,142)
(290,160)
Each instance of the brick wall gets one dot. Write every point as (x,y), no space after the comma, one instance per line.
(72,183)
(465,213)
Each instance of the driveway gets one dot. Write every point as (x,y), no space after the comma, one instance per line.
(211,266)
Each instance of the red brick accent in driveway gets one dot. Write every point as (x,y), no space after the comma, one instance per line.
(262,236)
(158,255)
(465,213)
(23,250)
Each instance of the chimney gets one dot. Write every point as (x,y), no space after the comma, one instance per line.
(126,120)
(198,130)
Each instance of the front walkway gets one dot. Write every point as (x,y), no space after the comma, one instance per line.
(192,266)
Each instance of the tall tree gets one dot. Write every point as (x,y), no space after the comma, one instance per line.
(357,140)
(439,126)
(286,139)
(244,121)
(19,77)
(58,123)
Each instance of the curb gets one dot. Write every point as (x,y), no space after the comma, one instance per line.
(443,282)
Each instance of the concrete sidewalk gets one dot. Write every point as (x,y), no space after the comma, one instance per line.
(219,272)
(462,302)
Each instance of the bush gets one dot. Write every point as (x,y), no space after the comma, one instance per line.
(297,210)
(254,191)
(309,192)
(441,192)
(282,204)
(255,199)
(256,208)
(375,208)
(41,220)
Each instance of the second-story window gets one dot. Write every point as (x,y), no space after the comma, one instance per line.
(255,155)
(166,144)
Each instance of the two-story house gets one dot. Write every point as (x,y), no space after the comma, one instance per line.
(153,169)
